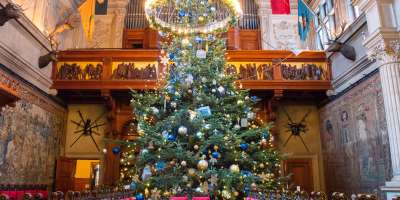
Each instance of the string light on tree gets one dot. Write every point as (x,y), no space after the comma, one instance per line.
(198,131)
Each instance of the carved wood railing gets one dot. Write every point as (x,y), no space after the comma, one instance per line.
(140,69)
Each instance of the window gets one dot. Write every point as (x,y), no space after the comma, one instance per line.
(353,12)
(325,23)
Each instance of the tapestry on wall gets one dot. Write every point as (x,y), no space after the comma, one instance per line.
(355,143)
(29,143)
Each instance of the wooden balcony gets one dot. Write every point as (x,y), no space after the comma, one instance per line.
(121,69)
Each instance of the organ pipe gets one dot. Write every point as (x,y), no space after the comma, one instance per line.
(136,18)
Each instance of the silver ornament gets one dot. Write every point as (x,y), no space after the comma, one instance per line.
(199,134)
(173,104)
(221,90)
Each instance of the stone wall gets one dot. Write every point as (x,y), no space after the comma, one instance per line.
(354,137)
(31,135)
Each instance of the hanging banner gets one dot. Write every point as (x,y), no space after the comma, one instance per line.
(86,10)
(305,18)
(280,7)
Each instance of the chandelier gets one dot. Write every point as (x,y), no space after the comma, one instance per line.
(184,17)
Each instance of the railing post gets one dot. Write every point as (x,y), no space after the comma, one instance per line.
(276,65)
(107,68)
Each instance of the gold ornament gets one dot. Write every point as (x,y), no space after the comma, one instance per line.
(167,193)
(192,172)
(201,18)
(216,147)
(202,165)
(235,168)
(226,194)
(262,165)
(254,186)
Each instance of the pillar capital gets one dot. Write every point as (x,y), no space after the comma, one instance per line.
(384,47)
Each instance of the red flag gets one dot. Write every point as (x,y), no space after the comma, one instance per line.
(280,6)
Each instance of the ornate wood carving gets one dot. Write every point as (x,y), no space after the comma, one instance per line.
(75,71)
(128,71)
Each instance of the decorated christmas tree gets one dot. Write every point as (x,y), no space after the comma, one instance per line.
(198,133)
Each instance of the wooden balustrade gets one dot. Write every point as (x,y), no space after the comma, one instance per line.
(140,69)
(107,193)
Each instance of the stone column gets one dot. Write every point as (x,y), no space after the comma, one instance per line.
(109,28)
(387,56)
(264,12)
(118,9)
(383,45)
(277,29)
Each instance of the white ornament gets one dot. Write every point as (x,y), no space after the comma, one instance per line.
(182,130)
(183,163)
(251,115)
(189,79)
(243,122)
(201,54)
(236,127)
(155,110)
(234,168)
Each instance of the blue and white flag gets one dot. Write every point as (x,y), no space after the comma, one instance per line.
(305,18)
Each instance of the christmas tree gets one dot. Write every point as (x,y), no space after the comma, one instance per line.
(198,132)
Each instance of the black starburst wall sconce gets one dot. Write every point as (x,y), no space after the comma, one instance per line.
(296,129)
(8,12)
(87,127)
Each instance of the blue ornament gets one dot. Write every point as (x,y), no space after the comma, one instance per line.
(245,173)
(215,154)
(244,146)
(171,138)
(199,39)
(255,99)
(246,190)
(171,89)
(133,186)
(160,166)
(181,13)
(116,150)
(204,111)
(139,196)
(171,56)
(265,134)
